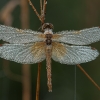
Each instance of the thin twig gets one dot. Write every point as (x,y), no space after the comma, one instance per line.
(38,81)
(88,76)
(44,11)
(44,7)
(41,8)
(35,10)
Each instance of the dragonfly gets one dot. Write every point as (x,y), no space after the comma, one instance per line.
(26,46)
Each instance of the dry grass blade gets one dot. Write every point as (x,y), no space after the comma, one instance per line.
(35,10)
(88,76)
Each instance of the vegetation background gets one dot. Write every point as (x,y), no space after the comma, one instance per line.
(64,15)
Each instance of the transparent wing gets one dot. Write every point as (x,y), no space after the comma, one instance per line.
(82,37)
(25,54)
(14,35)
(71,55)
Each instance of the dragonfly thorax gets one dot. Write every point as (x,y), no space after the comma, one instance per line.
(48,39)
(47,28)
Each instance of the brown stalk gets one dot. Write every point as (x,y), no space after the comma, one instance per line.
(41,18)
(41,8)
(44,7)
(26,80)
(88,76)
(38,81)
(39,64)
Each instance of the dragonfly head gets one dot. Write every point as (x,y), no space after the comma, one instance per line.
(47,26)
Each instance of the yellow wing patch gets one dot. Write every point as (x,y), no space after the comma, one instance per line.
(41,35)
(38,49)
(58,49)
(56,36)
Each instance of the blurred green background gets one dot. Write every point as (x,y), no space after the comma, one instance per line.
(64,15)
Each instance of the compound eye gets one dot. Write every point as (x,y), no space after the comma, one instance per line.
(51,26)
(47,25)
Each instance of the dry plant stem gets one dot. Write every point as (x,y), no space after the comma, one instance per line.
(38,82)
(26,84)
(43,11)
(24,14)
(41,8)
(44,7)
(88,76)
(26,80)
(35,10)
(39,64)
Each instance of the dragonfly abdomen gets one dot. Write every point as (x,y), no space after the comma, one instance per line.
(48,64)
